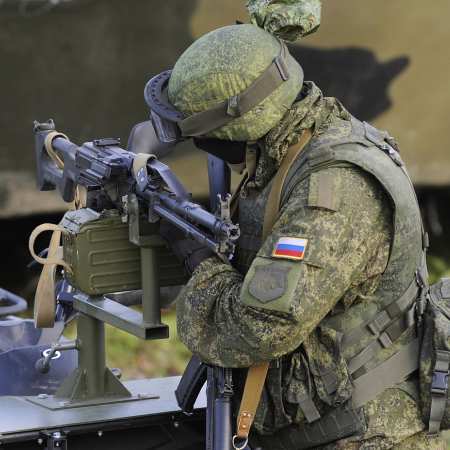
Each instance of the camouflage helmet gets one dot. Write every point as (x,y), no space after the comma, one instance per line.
(221,65)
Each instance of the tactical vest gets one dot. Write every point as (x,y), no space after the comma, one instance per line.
(367,334)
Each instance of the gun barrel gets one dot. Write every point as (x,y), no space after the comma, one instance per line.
(186,227)
(193,211)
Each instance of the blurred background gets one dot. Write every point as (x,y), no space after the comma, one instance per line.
(84,64)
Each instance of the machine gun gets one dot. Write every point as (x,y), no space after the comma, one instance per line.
(106,171)
(113,245)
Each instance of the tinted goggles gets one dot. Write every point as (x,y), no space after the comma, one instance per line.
(165,118)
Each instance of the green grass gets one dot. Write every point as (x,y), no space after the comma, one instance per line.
(447,438)
(437,268)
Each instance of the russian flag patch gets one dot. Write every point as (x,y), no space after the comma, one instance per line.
(291,248)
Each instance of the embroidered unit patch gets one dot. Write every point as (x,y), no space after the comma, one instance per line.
(269,282)
(291,248)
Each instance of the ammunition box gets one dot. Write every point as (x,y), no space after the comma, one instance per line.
(104,260)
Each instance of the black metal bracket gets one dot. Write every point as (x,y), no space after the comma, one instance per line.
(56,440)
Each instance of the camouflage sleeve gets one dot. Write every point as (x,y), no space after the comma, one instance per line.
(288,19)
(318,259)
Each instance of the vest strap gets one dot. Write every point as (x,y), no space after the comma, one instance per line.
(320,156)
(375,324)
(392,333)
(309,409)
(373,383)
(330,382)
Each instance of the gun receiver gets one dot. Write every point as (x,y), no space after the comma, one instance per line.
(106,171)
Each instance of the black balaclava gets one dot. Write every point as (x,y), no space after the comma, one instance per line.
(232,152)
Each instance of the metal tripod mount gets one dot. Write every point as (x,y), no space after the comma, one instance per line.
(92,383)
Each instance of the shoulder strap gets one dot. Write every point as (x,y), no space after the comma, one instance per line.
(273,204)
(257,374)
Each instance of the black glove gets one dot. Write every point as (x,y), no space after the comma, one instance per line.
(190,252)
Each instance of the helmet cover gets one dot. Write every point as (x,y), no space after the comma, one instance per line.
(224,63)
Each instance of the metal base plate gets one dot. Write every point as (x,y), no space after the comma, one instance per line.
(59,403)
(19,415)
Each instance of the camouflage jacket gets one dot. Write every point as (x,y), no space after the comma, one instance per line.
(346,244)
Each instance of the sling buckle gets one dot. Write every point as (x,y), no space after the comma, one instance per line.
(439,384)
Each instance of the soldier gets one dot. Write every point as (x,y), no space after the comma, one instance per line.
(326,278)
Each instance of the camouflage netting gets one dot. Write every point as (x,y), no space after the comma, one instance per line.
(287,19)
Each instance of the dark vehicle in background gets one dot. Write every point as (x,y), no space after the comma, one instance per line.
(84,63)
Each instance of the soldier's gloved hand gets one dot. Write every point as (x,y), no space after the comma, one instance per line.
(190,253)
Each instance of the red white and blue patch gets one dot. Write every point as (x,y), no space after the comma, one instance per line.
(290,248)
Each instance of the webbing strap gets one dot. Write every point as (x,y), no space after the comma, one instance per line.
(310,435)
(235,197)
(219,115)
(369,385)
(76,204)
(251,159)
(375,324)
(438,405)
(51,152)
(140,168)
(330,382)
(309,409)
(390,335)
(257,374)
(52,258)
(438,392)
(250,399)
(45,298)
(273,204)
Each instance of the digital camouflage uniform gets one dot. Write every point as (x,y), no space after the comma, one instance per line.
(337,285)
(351,205)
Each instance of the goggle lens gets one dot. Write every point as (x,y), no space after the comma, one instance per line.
(165,131)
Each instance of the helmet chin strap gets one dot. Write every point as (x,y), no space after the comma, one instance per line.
(250,161)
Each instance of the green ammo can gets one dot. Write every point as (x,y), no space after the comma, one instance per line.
(104,260)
